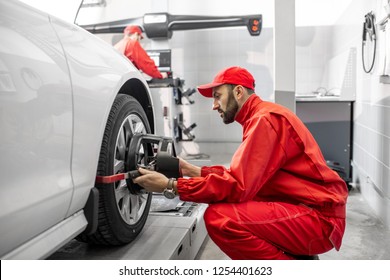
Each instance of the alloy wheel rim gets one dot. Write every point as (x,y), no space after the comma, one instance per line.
(130,206)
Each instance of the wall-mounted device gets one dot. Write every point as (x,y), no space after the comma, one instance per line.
(369,42)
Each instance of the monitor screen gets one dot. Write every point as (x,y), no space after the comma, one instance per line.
(162,59)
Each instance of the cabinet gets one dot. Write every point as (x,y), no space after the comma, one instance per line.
(331,123)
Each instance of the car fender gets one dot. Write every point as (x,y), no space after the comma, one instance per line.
(97,77)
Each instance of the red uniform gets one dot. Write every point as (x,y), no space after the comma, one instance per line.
(278,198)
(133,50)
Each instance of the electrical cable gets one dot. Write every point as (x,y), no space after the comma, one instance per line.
(369,28)
(373,58)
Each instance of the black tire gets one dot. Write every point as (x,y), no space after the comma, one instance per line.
(122,214)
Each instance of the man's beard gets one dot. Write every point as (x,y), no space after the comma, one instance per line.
(231,109)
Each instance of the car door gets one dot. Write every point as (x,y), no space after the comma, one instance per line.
(35,126)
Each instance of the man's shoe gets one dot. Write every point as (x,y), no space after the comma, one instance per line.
(307,257)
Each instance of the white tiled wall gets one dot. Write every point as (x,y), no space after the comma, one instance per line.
(317,47)
(312,53)
(197,56)
(371,144)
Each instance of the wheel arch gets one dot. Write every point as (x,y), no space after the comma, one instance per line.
(137,89)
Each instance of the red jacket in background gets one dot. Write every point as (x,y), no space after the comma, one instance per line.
(133,50)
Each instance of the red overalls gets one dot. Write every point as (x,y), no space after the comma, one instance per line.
(278,198)
(133,50)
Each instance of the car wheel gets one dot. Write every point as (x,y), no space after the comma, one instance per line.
(122,210)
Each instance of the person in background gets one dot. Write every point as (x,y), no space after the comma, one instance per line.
(131,47)
(278,199)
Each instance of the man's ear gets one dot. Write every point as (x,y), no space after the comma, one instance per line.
(239,92)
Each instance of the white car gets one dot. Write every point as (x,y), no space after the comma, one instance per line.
(69,106)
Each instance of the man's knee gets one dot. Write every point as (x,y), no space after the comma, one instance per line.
(213,220)
(209,214)
(216,215)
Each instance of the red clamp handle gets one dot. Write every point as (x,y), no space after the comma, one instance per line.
(117,177)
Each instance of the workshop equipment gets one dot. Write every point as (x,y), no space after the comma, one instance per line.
(161,25)
(180,221)
(147,151)
(369,31)
(171,110)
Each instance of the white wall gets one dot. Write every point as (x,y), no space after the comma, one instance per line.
(371,147)
(198,55)
(316,66)
(371,144)
(319,47)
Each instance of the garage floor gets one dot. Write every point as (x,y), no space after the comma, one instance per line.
(366,237)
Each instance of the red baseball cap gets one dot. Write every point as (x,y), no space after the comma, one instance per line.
(131,29)
(233,75)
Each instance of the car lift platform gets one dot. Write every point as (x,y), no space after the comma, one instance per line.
(173,230)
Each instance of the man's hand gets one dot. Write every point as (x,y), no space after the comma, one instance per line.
(164,75)
(151,181)
(189,170)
